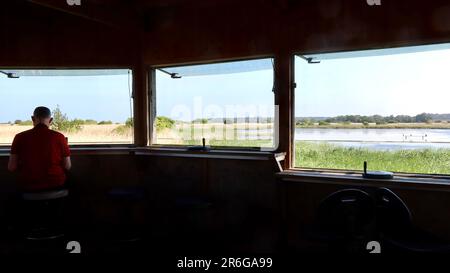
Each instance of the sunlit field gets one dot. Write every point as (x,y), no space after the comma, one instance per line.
(89,134)
(218,134)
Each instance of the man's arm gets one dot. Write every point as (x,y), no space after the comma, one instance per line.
(14,157)
(12,163)
(67,164)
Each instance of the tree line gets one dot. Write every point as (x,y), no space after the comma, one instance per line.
(378,119)
(62,123)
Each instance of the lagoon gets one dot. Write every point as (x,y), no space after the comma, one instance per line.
(378,139)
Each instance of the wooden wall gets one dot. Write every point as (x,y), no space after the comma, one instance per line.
(244,192)
(265,27)
(242,197)
(36,36)
(32,35)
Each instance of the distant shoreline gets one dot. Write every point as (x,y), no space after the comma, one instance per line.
(253,126)
(377,126)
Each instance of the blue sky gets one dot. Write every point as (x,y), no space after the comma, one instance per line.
(215,95)
(96,97)
(406,84)
(393,84)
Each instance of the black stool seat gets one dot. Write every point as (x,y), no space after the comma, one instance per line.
(127,193)
(44,212)
(126,198)
(45,195)
(192,203)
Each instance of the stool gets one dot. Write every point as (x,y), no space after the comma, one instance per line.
(126,198)
(43,212)
(194,220)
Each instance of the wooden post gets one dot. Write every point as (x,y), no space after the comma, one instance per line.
(284,99)
(140,91)
(152,105)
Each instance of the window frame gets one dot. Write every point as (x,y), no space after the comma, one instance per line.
(344,172)
(152,95)
(81,146)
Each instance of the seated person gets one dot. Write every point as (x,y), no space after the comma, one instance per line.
(40,155)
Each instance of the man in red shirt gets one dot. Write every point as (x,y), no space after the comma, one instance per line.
(40,155)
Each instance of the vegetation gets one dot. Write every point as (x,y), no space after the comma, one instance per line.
(89,122)
(124,129)
(164,123)
(129,122)
(62,123)
(23,123)
(105,122)
(201,121)
(423,118)
(366,125)
(305,123)
(329,156)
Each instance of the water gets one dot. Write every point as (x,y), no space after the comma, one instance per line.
(376,139)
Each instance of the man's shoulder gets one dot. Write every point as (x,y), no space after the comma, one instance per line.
(24,133)
(57,134)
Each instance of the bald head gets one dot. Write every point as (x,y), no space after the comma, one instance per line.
(42,112)
(42,115)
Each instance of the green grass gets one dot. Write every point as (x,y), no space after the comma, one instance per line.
(329,156)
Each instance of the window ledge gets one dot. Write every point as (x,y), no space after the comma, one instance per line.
(87,150)
(355,179)
(212,154)
(173,152)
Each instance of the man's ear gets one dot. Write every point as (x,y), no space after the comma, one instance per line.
(50,121)
(32,118)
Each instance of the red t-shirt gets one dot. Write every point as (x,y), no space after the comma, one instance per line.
(40,154)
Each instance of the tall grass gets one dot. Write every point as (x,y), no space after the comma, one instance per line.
(217,134)
(89,134)
(330,156)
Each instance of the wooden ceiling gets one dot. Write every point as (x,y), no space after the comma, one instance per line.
(135,14)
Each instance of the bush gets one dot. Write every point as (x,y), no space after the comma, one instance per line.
(164,123)
(129,123)
(124,129)
(204,121)
(62,124)
(105,122)
(304,122)
(90,122)
(323,123)
(23,123)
